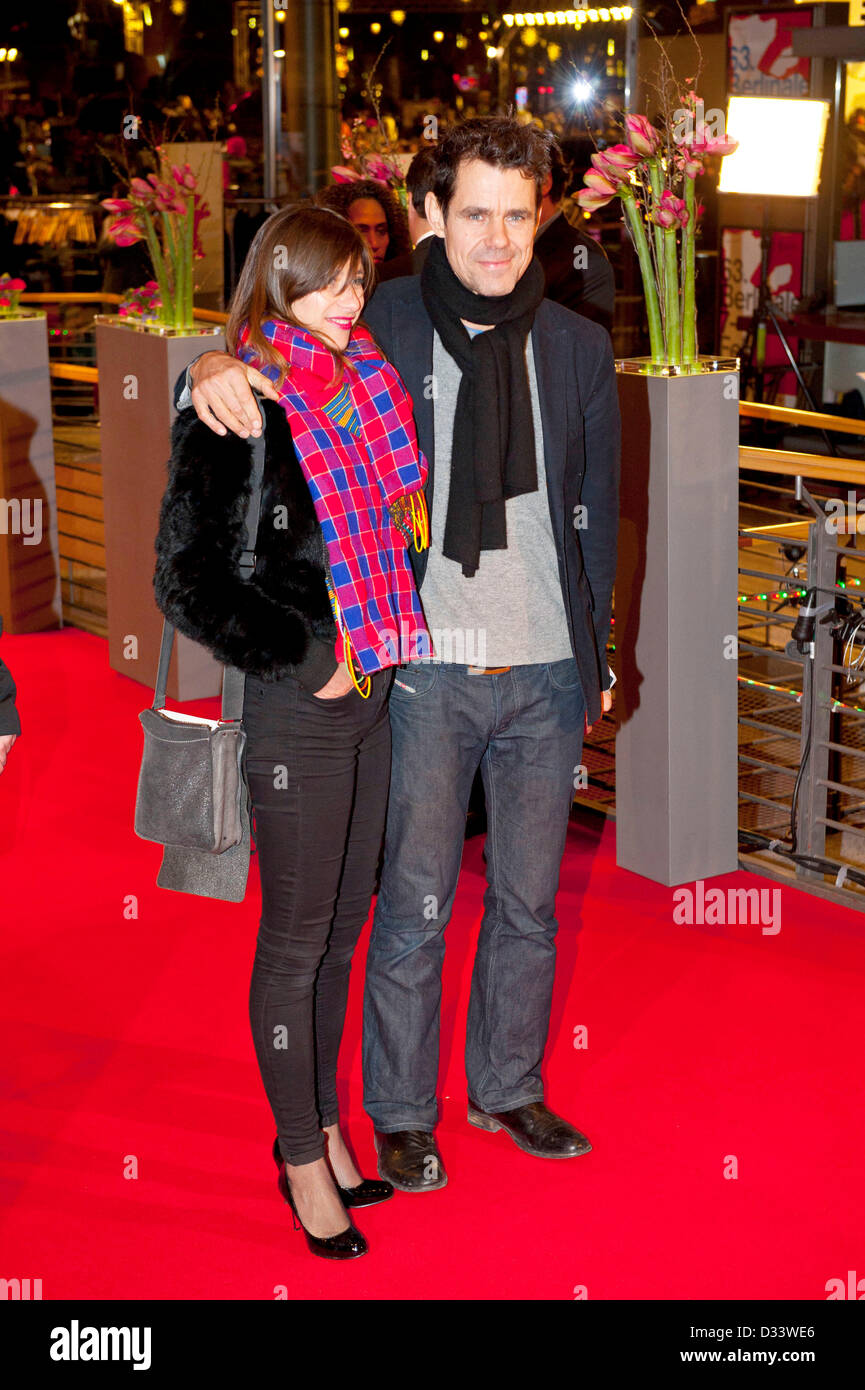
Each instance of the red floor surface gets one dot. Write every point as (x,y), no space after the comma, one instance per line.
(127,1035)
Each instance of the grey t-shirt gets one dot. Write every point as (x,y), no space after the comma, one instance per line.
(511,611)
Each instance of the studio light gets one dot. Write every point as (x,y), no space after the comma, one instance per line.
(779,156)
(780,146)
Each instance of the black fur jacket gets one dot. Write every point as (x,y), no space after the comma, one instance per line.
(279,622)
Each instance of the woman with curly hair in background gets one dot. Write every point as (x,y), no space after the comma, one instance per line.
(376,213)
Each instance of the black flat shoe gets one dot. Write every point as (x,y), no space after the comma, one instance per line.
(347,1245)
(534,1129)
(367,1193)
(410,1160)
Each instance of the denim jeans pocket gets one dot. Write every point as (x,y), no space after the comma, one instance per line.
(413,680)
(564,675)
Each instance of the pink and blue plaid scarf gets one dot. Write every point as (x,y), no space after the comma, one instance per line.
(353,482)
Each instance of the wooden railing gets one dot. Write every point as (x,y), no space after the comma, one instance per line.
(795,465)
(806,419)
(790,462)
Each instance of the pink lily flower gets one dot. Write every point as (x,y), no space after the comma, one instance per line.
(142,190)
(590,199)
(124,231)
(599,183)
(117,205)
(184,177)
(342,174)
(616,162)
(382,170)
(689,165)
(643,138)
(671,211)
(701,142)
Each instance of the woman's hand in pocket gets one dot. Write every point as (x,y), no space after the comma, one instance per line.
(339,684)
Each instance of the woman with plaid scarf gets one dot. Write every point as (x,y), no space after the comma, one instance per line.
(330,610)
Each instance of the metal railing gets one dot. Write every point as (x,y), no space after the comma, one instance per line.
(802,701)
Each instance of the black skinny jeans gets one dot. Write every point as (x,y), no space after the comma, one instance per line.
(318,773)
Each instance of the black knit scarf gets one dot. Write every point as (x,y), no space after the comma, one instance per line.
(493,452)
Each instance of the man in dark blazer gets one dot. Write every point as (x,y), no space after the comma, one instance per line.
(576,269)
(516,587)
(10,724)
(418,181)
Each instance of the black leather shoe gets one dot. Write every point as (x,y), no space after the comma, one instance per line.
(534,1129)
(409,1158)
(365,1194)
(346,1245)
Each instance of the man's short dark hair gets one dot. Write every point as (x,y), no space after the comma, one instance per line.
(419,177)
(497,140)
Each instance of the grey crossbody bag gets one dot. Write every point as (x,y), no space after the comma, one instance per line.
(192,795)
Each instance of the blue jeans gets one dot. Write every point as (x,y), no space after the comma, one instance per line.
(524,728)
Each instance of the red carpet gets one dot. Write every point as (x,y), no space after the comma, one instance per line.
(125,1035)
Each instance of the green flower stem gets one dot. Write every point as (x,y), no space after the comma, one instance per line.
(657,187)
(689,300)
(189,258)
(672,321)
(650,289)
(158,262)
(171,241)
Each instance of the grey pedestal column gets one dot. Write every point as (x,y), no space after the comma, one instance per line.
(29,558)
(676,594)
(137,371)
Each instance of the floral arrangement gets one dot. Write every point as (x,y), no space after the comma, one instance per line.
(10,293)
(365,159)
(143,303)
(166,213)
(654,174)
(367,148)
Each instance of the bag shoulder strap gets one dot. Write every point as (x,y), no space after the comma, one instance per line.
(233,680)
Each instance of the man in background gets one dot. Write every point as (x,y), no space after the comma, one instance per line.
(576,269)
(10,724)
(418,184)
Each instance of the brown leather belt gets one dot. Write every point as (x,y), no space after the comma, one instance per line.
(487,670)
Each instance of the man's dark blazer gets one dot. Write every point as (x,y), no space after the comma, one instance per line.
(409,263)
(9,721)
(580,419)
(590,292)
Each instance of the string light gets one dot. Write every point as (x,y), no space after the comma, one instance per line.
(783,593)
(832,705)
(764,685)
(799,593)
(618,14)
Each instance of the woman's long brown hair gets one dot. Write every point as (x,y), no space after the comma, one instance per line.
(297,251)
